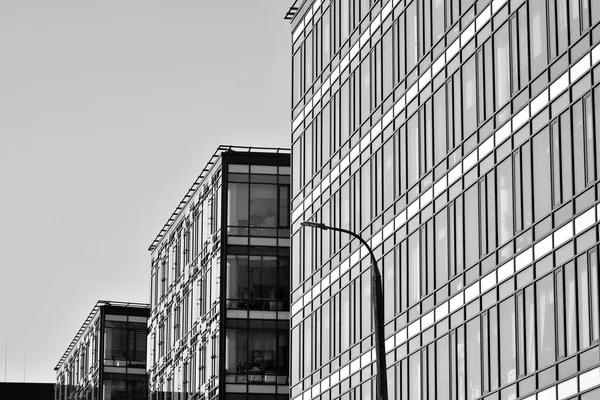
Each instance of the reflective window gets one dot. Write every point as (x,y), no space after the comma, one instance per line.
(545,321)
(537,26)
(257,352)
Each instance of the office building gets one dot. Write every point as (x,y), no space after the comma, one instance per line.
(106,360)
(461,139)
(219,325)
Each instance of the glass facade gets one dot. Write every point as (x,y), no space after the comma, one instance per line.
(220,284)
(107,358)
(460,138)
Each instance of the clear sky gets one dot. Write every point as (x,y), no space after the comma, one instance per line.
(108,112)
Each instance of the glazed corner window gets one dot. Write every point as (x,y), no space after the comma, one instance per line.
(256,352)
(115,343)
(257,282)
(124,344)
(258,205)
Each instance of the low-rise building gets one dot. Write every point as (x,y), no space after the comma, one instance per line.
(107,357)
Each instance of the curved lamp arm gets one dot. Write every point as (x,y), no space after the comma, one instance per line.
(376,304)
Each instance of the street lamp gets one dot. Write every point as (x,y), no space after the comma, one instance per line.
(376,306)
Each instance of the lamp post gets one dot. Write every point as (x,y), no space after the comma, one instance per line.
(376,306)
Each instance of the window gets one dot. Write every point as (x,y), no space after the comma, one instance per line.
(545,321)
(256,351)
(537,26)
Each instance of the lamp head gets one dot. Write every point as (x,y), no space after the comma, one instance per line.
(317,225)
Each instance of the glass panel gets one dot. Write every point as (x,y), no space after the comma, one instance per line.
(263,205)
(537,25)
(560,315)
(115,343)
(365,311)
(530,329)
(575,24)
(387,75)
(501,66)
(326,42)
(485,352)
(473,359)
(442,366)
(583,297)
(365,90)
(494,370)
(595,297)
(437,20)
(388,267)
(578,142)
(262,283)
(504,201)
(237,280)
(526,186)
(412,151)
(469,97)
(237,207)
(521,333)
(562,26)
(307,350)
(413,269)
(439,123)
(345,319)
(508,348)
(541,171)
(344,19)
(589,140)
(566,187)
(415,376)
(115,390)
(411,36)
(556,180)
(545,321)
(518,190)
(388,173)
(523,47)
(297,76)
(460,363)
(236,351)
(344,113)
(441,248)
(284,206)
(471,226)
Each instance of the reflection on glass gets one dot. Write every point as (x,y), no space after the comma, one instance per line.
(413,269)
(469,97)
(257,282)
(538,40)
(508,348)
(442,366)
(583,297)
(263,205)
(541,171)
(237,199)
(594,297)
(545,321)
(502,66)
(254,355)
(471,226)
(473,359)
(414,372)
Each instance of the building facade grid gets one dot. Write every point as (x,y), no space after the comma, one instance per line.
(460,138)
